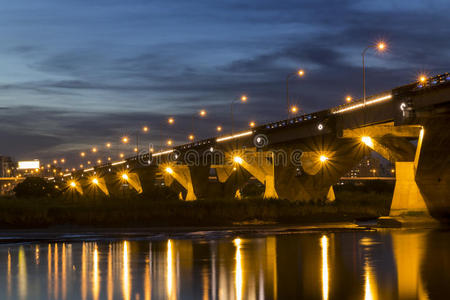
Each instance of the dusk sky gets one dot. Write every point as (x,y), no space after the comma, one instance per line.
(77,74)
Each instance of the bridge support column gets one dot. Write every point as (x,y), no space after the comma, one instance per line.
(182,175)
(260,165)
(407,196)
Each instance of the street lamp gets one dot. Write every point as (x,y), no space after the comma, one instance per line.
(380,47)
(170,121)
(201,113)
(300,73)
(242,99)
(348,99)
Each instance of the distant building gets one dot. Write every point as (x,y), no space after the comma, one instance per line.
(7,166)
(371,166)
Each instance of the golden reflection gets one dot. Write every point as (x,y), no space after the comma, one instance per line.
(238,271)
(36,254)
(170,271)
(83,272)
(408,253)
(324,245)
(110,277)
(22,274)
(205,280)
(126,284)
(148,275)
(9,273)
(56,275)
(369,291)
(95,275)
(49,270)
(63,272)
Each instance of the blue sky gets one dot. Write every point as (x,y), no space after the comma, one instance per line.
(79,73)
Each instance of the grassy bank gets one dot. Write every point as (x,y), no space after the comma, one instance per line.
(142,212)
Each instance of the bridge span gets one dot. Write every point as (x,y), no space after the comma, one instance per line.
(300,158)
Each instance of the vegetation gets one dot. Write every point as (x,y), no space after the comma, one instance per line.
(162,208)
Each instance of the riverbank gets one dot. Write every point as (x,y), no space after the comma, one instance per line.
(143,212)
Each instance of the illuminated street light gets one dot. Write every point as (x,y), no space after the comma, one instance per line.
(135,149)
(99,161)
(125,140)
(422,79)
(73,184)
(83,154)
(171,120)
(125,176)
(299,73)
(237,159)
(242,99)
(108,145)
(252,124)
(95,181)
(323,158)
(219,128)
(202,113)
(94,150)
(367,140)
(145,129)
(55,161)
(169,142)
(121,155)
(191,137)
(169,170)
(294,109)
(381,46)
(63,160)
(348,99)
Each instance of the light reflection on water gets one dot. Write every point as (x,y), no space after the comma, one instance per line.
(391,264)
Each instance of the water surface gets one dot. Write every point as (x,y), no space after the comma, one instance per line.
(318,264)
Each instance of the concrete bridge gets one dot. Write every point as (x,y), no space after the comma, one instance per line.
(302,157)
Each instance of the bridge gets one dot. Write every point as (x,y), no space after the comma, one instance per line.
(300,158)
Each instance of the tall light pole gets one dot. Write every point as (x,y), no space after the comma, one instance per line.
(170,121)
(242,99)
(380,47)
(300,73)
(201,114)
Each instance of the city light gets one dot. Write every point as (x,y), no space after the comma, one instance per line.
(244,98)
(95,181)
(348,99)
(191,137)
(169,170)
(108,145)
(237,159)
(94,149)
(124,176)
(135,149)
(252,124)
(202,113)
(125,139)
(381,46)
(63,160)
(422,79)
(145,129)
(171,120)
(360,105)
(294,109)
(169,142)
(367,140)
(121,155)
(226,138)
(323,158)
(73,184)
(219,128)
(301,72)
(83,154)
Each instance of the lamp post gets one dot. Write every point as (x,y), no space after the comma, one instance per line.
(201,114)
(300,73)
(170,121)
(242,99)
(380,47)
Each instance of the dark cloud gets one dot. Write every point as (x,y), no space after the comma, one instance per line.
(100,71)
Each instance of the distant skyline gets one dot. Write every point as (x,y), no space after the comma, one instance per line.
(77,74)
